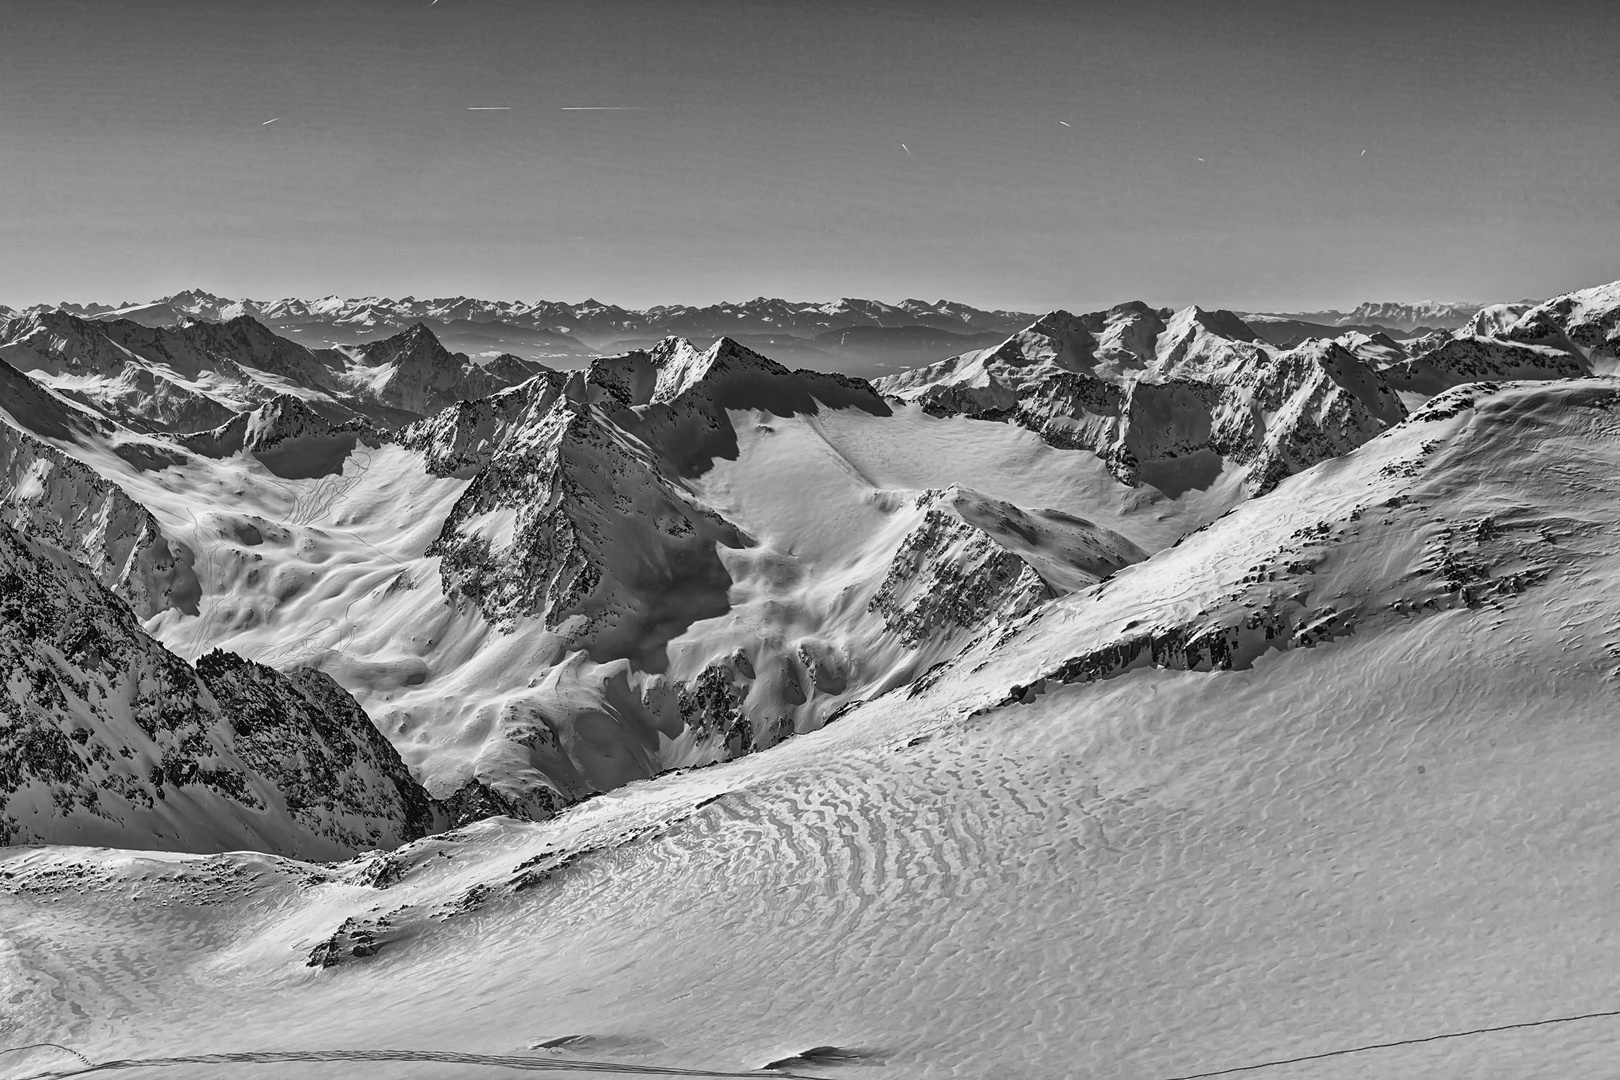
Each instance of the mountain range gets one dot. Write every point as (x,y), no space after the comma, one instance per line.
(1132,654)
(854,336)
(543,584)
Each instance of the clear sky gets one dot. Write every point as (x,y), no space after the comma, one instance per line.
(1280,155)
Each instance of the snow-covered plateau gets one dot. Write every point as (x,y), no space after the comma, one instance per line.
(1145,694)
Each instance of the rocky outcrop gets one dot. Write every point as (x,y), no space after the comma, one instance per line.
(948,577)
(265,428)
(106,737)
(332,768)
(1281,415)
(973,561)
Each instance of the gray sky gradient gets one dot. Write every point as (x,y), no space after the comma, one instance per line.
(755,148)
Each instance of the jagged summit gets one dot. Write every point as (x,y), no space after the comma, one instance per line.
(415,338)
(682,367)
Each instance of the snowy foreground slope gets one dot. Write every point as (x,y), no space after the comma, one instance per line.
(1335,771)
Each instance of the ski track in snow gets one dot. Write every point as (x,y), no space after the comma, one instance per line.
(620,1068)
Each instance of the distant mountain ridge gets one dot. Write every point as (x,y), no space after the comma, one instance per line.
(887,336)
(1415,317)
(851,335)
(197,375)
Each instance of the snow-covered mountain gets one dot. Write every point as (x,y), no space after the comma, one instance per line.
(1566,337)
(1133,643)
(1407,316)
(1175,398)
(1328,783)
(198,375)
(550,583)
(859,336)
(1395,317)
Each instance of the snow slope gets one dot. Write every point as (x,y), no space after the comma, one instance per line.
(1389,820)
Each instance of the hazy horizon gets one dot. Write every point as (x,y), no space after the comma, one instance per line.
(1255,156)
(123,302)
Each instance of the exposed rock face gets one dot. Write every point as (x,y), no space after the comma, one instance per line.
(949,576)
(1139,387)
(107,737)
(281,418)
(334,770)
(413,372)
(974,561)
(572,519)
(49,496)
(287,436)
(1312,403)
(462,438)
